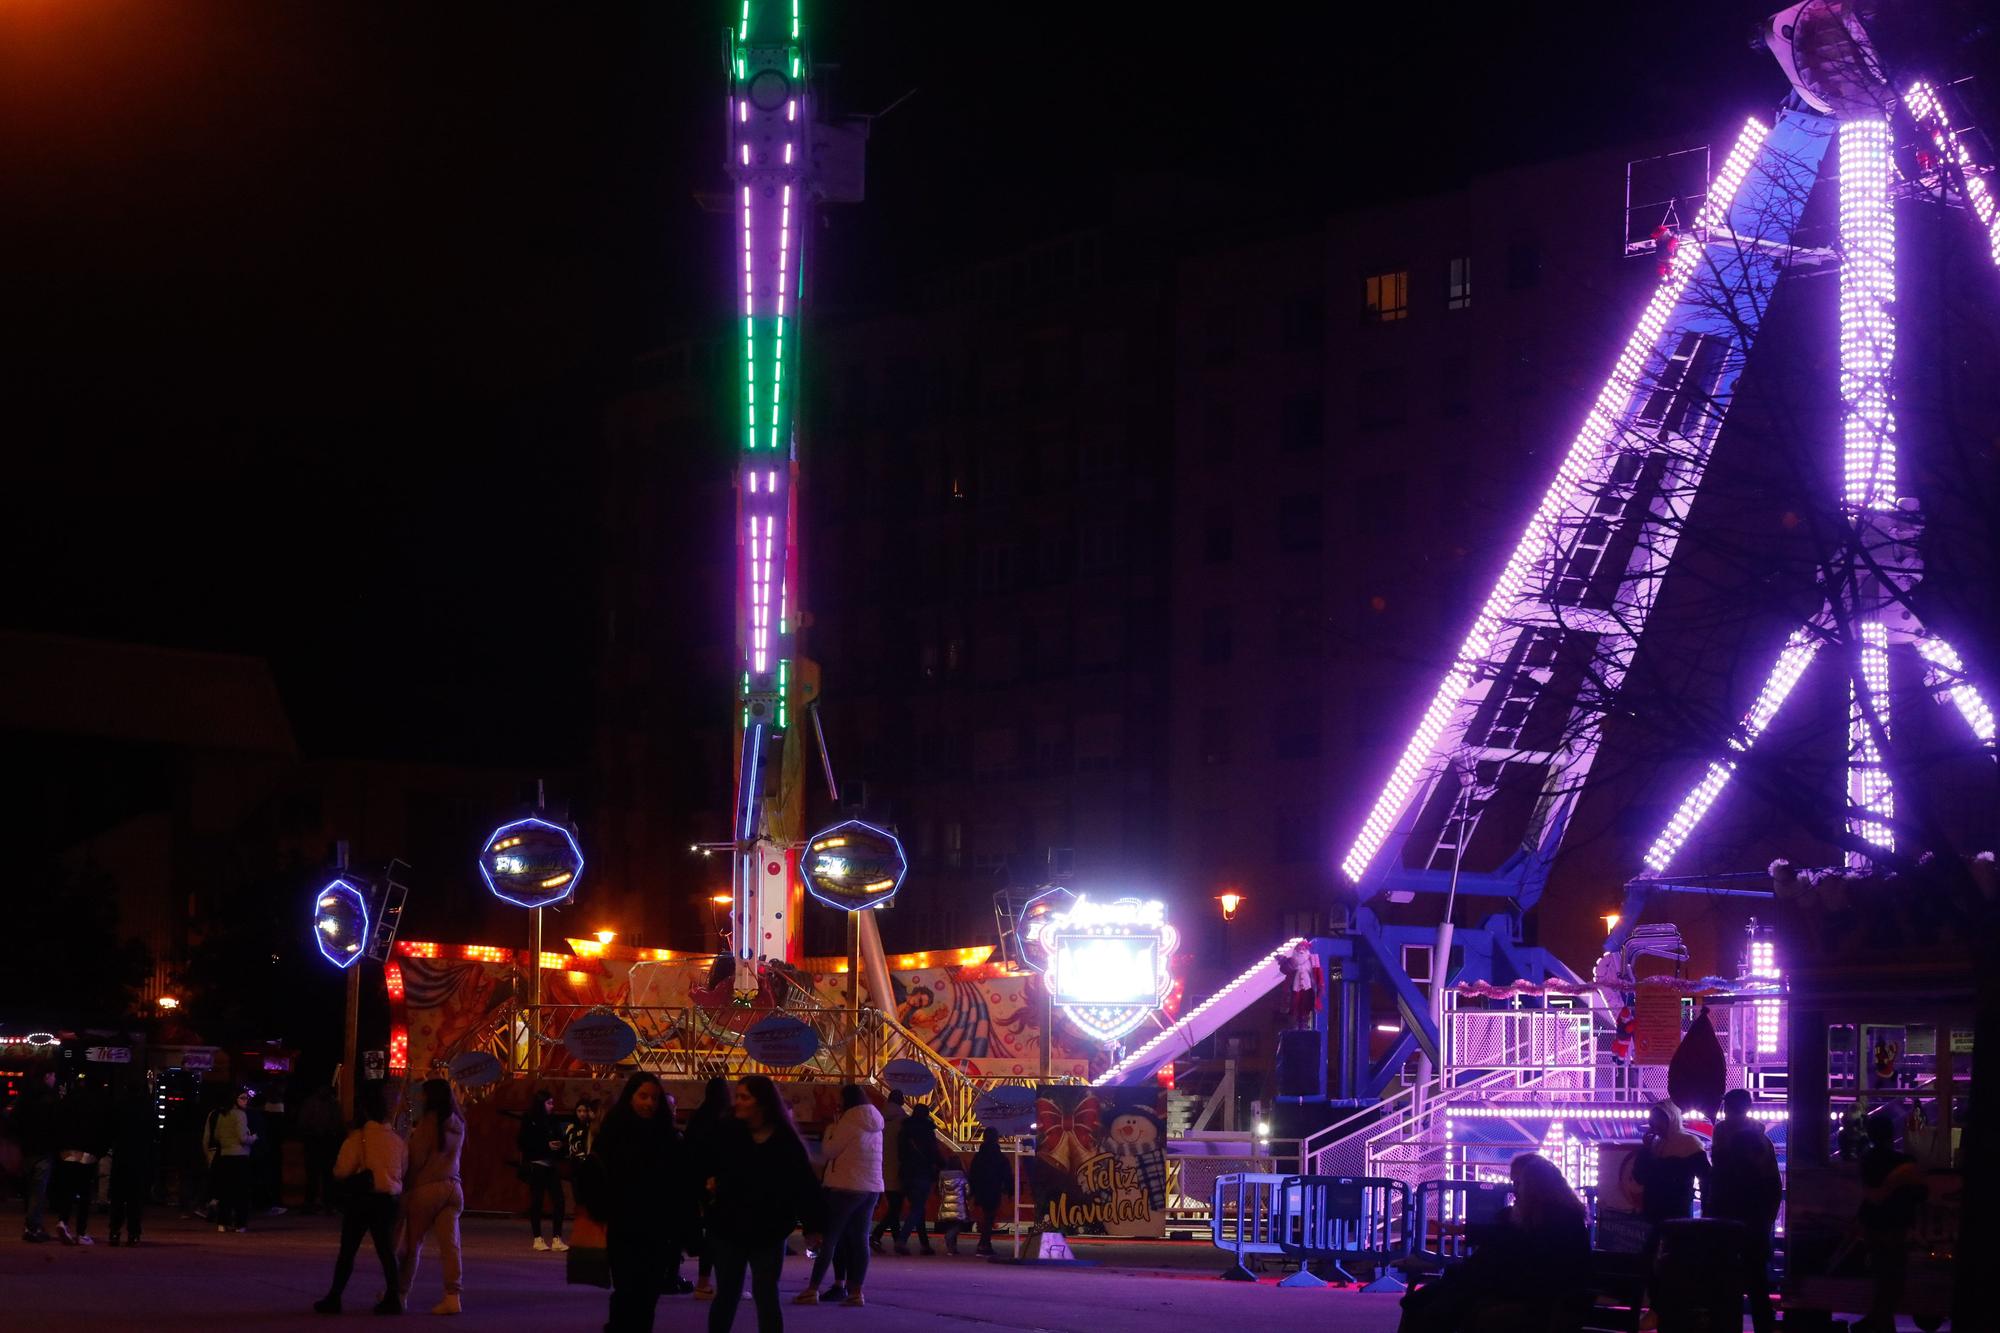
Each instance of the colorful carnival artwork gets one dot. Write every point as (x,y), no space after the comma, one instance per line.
(1101,1159)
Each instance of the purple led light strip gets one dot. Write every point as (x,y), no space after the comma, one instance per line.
(1599,426)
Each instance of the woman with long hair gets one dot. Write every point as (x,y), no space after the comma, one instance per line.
(432,1197)
(851,1175)
(370,1166)
(991,1181)
(704,1124)
(633,1184)
(764,1187)
(1535,1258)
(542,1150)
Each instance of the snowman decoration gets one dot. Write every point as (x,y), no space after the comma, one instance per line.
(1134,1139)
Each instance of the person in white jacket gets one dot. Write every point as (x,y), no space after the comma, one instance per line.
(851,1175)
(375,1149)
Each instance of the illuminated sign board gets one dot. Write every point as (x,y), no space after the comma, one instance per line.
(853,866)
(1105,963)
(340,923)
(531,863)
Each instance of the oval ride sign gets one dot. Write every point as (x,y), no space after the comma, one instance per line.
(474,1069)
(853,866)
(781,1041)
(600,1039)
(909,1077)
(1007,1109)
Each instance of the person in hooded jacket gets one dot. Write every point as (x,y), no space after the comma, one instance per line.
(705,1124)
(851,1173)
(134,1157)
(1666,1166)
(372,1161)
(893,1116)
(764,1187)
(634,1184)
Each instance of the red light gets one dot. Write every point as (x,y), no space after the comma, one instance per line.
(392,978)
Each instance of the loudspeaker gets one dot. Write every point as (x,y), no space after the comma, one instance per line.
(1300,1073)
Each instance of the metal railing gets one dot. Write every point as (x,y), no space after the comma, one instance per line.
(1312,1219)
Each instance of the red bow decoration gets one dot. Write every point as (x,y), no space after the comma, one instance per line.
(1067,1136)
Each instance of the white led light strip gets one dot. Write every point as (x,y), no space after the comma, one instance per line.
(1923,103)
(1792,663)
(1867,326)
(1945,673)
(1139,1057)
(1600,427)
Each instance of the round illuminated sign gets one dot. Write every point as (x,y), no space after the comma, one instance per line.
(781,1041)
(909,1077)
(853,866)
(531,863)
(1006,1109)
(600,1039)
(475,1069)
(340,923)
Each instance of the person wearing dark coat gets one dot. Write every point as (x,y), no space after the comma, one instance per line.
(920,1157)
(704,1124)
(1666,1166)
(134,1158)
(1744,1186)
(990,1181)
(543,1148)
(1536,1256)
(633,1183)
(83,1133)
(764,1186)
(35,1119)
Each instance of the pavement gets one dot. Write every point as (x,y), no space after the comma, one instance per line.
(186,1277)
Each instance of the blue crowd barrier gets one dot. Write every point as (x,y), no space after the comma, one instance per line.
(1325,1219)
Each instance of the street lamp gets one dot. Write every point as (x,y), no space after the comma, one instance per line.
(606,936)
(1230,902)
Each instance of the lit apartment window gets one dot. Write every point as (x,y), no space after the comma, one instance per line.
(1386,296)
(1458,286)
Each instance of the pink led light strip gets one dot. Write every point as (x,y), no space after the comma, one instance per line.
(1871,798)
(1922,100)
(1792,663)
(1600,426)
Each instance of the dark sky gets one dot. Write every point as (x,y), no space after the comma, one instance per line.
(310,309)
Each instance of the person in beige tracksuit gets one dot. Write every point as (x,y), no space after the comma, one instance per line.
(432,1199)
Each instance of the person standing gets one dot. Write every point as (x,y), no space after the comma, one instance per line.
(1666,1166)
(36,1119)
(893,1116)
(704,1128)
(1892,1189)
(432,1197)
(134,1138)
(921,1157)
(1744,1186)
(991,1181)
(580,1136)
(370,1167)
(319,1128)
(764,1187)
(542,1149)
(232,1142)
(82,1134)
(634,1182)
(851,1173)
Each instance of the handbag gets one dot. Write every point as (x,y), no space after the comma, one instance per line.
(588,1263)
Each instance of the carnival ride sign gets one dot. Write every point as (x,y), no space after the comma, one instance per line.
(909,1077)
(1105,963)
(853,866)
(781,1041)
(600,1039)
(531,863)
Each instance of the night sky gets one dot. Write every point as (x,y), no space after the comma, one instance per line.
(311,309)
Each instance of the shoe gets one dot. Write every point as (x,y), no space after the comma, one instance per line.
(449,1305)
(835,1292)
(111,1240)
(242,1230)
(951,1248)
(35,1236)
(559,1245)
(388,1305)
(875,1243)
(806,1297)
(902,1249)
(131,1240)
(277,1210)
(927,1250)
(85,1240)
(983,1250)
(854,1298)
(541,1244)
(220,1229)
(64,1234)
(677,1286)
(327,1305)
(704,1289)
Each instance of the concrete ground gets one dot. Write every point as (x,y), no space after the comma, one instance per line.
(186,1277)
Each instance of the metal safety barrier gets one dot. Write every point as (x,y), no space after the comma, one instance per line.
(1446,1210)
(1328,1219)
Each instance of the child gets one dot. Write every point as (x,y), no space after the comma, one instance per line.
(952,1211)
